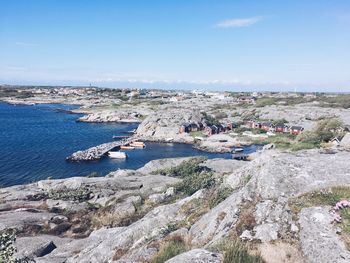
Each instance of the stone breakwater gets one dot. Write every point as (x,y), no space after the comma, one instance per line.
(96,152)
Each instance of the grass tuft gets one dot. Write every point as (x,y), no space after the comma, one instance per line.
(169,250)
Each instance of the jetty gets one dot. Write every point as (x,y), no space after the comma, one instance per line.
(96,152)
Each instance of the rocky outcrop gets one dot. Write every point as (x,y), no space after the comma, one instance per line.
(161,164)
(319,240)
(345,142)
(112,116)
(126,216)
(102,244)
(223,166)
(306,115)
(165,124)
(220,143)
(265,186)
(196,256)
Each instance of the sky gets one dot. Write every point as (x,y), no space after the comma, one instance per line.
(191,44)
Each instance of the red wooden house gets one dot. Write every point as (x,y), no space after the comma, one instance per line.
(267,126)
(296,130)
(281,127)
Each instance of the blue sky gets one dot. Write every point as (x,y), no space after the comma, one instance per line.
(205,44)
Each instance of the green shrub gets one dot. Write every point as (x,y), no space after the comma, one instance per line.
(198,134)
(186,168)
(279,121)
(169,229)
(237,253)
(262,102)
(8,248)
(303,146)
(339,101)
(326,130)
(195,182)
(81,194)
(210,120)
(219,195)
(221,115)
(169,250)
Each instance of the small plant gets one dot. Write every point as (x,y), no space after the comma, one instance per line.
(186,168)
(169,229)
(8,248)
(327,197)
(81,194)
(246,220)
(221,115)
(219,195)
(170,250)
(326,130)
(195,182)
(210,120)
(235,252)
(198,134)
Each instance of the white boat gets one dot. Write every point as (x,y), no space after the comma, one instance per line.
(117,155)
(237,150)
(125,147)
(137,144)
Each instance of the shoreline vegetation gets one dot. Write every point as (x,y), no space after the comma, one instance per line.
(289,196)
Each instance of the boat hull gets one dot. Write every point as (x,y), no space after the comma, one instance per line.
(117,155)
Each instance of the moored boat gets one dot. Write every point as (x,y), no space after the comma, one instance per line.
(237,150)
(117,155)
(126,147)
(137,144)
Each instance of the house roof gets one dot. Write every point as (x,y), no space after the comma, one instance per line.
(297,128)
(280,125)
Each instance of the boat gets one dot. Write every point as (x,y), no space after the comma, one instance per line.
(237,150)
(132,131)
(137,144)
(126,147)
(117,155)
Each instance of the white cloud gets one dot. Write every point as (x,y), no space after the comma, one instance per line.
(241,22)
(25,44)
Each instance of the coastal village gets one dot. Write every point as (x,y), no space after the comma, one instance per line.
(288,201)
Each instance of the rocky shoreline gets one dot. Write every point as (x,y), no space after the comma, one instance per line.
(129,215)
(277,207)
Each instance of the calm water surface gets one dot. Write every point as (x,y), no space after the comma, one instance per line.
(35,140)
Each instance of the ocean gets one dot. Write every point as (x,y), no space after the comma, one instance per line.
(35,140)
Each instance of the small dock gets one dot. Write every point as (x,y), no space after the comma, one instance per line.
(96,152)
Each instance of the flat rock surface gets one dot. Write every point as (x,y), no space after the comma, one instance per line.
(345,142)
(223,166)
(196,256)
(318,238)
(161,164)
